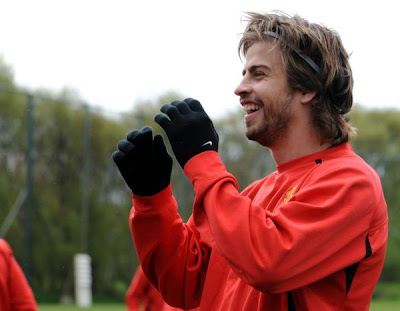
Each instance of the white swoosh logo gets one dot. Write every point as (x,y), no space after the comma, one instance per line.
(207,143)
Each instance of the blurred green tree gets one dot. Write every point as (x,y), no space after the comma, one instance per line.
(378,142)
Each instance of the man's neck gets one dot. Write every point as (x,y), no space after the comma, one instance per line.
(301,138)
(284,155)
(297,145)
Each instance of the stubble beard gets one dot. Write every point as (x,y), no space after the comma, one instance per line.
(274,126)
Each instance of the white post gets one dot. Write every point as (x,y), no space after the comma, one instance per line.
(83,280)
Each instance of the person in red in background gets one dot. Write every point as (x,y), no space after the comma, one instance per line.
(143,296)
(311,235)
(15,292)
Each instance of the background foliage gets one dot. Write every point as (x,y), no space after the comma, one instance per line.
(60,182)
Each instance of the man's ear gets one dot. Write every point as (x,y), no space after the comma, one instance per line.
(307,97)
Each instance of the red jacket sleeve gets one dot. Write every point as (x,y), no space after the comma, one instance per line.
(15,292)
(290,245)
(172,255)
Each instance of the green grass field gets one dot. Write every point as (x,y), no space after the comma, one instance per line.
(385,305)
(95,307)
(377,305)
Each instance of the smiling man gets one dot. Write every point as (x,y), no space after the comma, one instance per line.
(310,236)
(278,117)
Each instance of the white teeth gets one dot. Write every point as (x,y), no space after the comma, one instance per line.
(251,107)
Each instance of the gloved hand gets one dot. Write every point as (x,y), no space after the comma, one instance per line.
(189,129)
(144,163)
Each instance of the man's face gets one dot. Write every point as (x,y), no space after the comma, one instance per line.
(265,95)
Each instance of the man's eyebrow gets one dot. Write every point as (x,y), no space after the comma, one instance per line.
(255,67)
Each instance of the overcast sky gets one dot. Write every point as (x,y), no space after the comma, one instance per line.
(116,52)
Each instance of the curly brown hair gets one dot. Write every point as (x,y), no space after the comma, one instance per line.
(315,61)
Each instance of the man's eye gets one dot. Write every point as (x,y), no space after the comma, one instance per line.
(258,73)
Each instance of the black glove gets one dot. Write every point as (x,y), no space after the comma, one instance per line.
(144,163)
(189,129)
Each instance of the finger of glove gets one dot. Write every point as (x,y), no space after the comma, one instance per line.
(131,136)
(171,111)
(194,104)
(159,145)
(126,147)
(163,161)
(163,121)
(144,140)
(118,157)
(182,106)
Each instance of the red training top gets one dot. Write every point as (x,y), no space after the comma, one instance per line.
(310,236)
(15,292)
